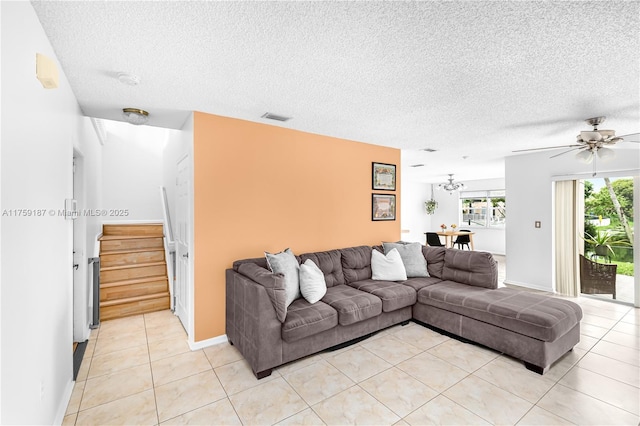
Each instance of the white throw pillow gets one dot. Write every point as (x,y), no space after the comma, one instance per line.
(387,268)
(312,284)
(411,253)
(285,263)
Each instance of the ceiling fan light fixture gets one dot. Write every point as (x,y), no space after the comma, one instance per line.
(606,154)
(585,155)
(607,133)
(135,116)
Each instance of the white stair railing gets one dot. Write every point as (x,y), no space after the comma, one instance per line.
(169,244)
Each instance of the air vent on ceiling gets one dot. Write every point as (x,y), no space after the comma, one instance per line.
(417,165)
(428,150)
(276,117)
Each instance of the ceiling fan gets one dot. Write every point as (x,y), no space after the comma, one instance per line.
(592,144)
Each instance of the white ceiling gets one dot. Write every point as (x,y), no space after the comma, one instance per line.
(469,79)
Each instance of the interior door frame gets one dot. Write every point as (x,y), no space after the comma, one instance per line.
(81,303)
(189,302)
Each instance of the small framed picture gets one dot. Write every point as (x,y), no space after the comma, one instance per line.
(383,207)
(384,177)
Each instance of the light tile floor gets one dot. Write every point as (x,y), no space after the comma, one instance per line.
(140,370)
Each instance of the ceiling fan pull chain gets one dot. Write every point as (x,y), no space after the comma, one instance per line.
(595,160)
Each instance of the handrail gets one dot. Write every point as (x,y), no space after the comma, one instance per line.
(169,244)
(95,321)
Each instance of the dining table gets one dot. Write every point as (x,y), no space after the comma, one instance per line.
(448,237)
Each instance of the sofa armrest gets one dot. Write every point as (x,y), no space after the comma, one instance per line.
(272,283)
(476,268)
(251,322)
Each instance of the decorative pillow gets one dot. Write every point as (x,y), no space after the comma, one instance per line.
(412,257)
(387,267)
(285,263)
(312,284)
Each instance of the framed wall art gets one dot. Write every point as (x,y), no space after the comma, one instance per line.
(383,207)
(384,176)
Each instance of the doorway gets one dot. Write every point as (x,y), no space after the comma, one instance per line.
(609,218)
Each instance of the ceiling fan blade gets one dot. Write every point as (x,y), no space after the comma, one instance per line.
(547,147)
(630,134)
(577,147)
(632,137)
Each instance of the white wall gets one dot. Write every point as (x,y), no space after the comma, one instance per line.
(39,128)
(177,147)
(88,154)
(529,179)
(132,172)
(415,219)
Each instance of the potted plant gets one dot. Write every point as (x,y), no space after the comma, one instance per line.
(604,241)
(430,206)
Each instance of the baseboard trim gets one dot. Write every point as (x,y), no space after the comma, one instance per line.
(64,402)
(209,342)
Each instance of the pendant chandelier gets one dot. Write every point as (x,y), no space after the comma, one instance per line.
(451,185)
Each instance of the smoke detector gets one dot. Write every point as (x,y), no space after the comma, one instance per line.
(128,79)
(135,116)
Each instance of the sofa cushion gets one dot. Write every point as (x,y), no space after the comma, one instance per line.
(393,295)
(417,283)
(534,315)
(305,319)
(387,267)
(435,260)
(330,263)
(286,263)
(412,258)
(352,305)
(312,283)
(272,283)
(477,268)
(356,263)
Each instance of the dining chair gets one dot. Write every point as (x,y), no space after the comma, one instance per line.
(433,239)
(463,240)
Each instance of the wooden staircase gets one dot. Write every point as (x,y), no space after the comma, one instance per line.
(133,270)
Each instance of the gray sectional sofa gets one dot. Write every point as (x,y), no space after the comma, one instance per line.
(460,296)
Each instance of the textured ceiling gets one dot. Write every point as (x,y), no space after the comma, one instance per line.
(469,79)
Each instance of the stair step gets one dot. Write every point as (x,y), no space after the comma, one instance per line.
(135,307)
(128,272)
(147,229)
(134,281)
(123,292)
(131,250)
(128,237)
(134,299)
(114,244)
(138,265)
(130,258)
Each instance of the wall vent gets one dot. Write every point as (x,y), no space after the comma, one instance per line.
(276,117)
(428,150)
(417,165)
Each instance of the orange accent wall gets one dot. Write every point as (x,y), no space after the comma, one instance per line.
(265,188)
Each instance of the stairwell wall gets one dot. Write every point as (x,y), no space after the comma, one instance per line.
(132,172)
